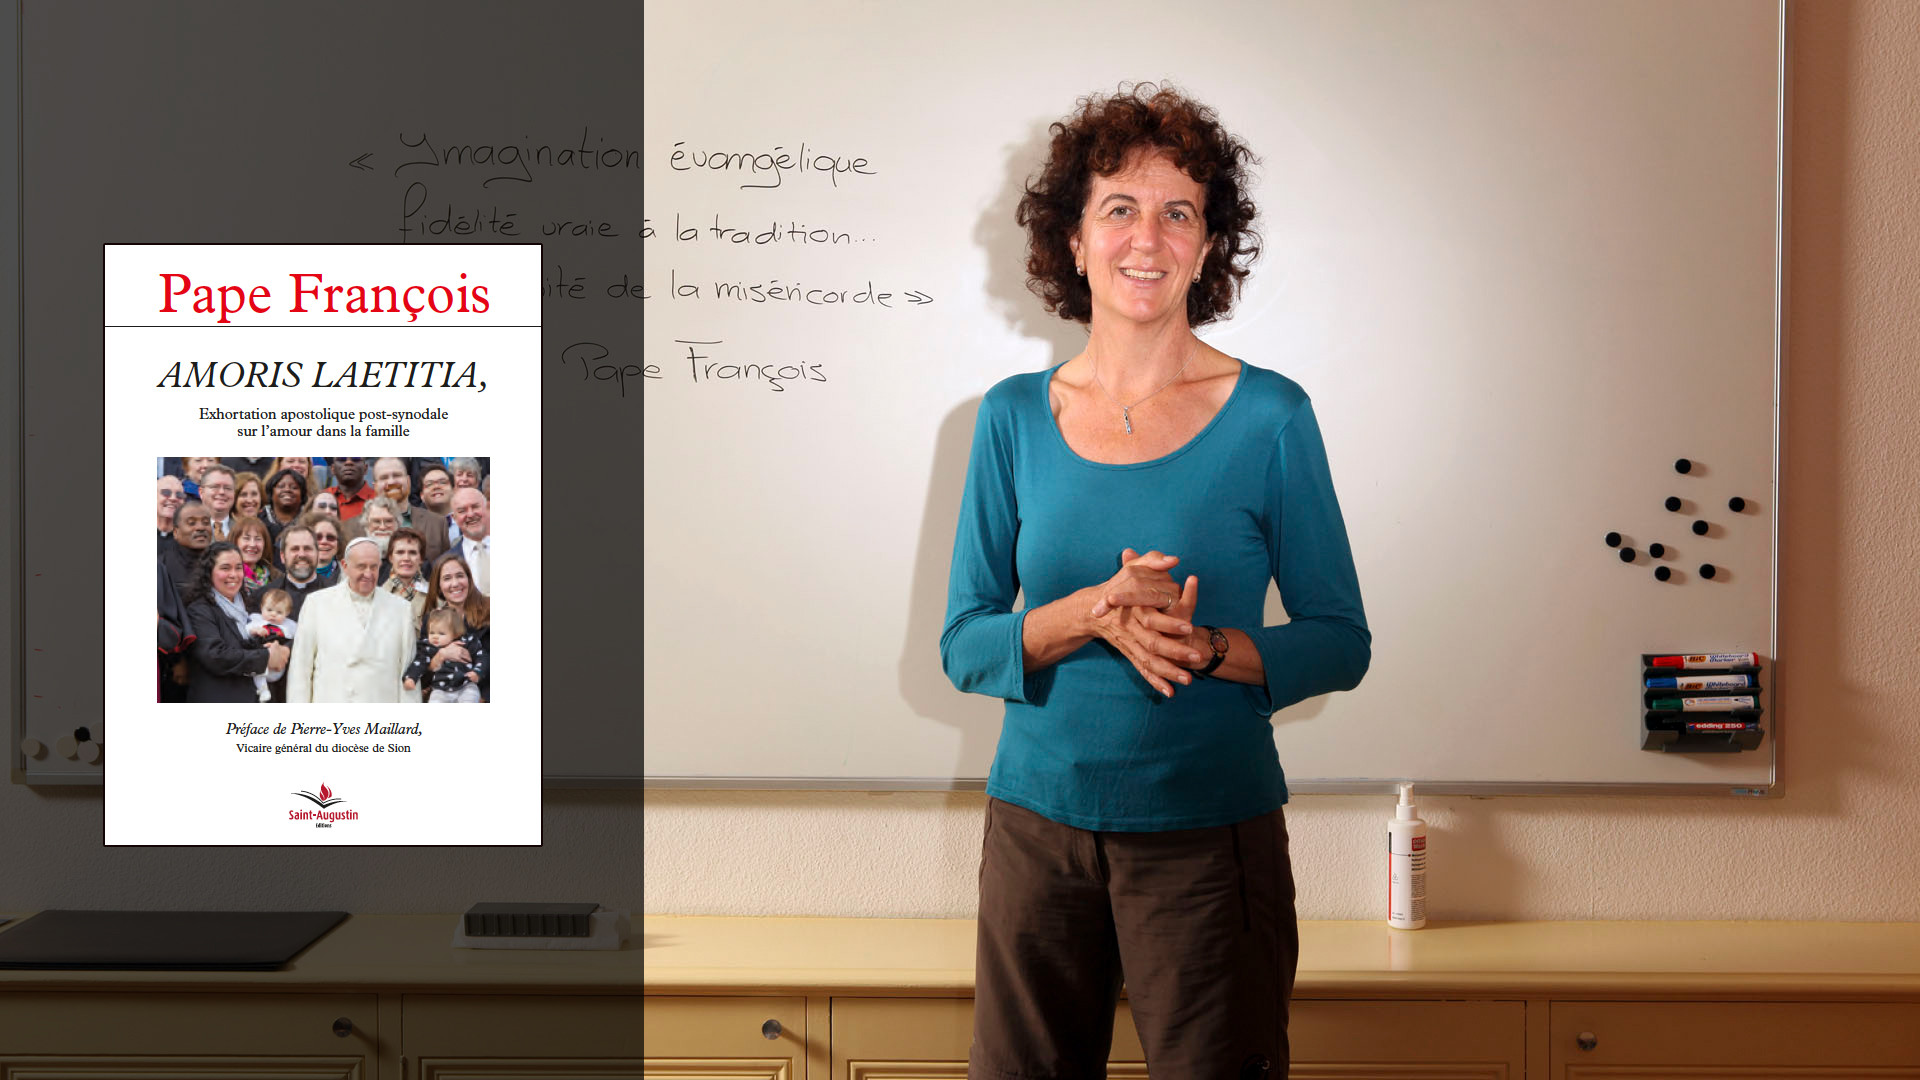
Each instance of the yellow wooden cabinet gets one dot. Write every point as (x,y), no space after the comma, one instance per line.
(889,999)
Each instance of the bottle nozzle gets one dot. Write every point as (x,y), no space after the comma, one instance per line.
(1405,810)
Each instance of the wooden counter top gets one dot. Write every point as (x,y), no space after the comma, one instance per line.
(380,952)
(1638,960)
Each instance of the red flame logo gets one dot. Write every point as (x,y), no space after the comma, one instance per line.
(323,800)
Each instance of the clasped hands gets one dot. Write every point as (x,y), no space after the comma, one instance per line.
(1141,612)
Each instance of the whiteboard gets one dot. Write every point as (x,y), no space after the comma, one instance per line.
(1522,257)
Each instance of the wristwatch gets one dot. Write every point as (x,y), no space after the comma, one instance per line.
(1217,640)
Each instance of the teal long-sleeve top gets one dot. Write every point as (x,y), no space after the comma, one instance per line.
(1087,742)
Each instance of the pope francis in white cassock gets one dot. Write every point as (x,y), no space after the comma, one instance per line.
(354,641)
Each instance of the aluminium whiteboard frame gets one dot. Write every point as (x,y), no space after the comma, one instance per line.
(1479,788)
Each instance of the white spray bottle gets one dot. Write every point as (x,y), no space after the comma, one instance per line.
(1406,865)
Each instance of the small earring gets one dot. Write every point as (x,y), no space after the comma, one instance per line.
(1078,269)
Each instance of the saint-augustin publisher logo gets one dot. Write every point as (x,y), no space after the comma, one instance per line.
(325,816)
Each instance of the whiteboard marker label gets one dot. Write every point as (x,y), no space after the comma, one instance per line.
(1702,682)
(1704,704)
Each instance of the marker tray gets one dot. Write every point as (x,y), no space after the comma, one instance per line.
(1665,729)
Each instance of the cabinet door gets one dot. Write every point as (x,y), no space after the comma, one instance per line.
(232,1036)
(905,1039)
(928,1039)
(1457,1040)
(1603,1040)
(718,1038)
(474,1036)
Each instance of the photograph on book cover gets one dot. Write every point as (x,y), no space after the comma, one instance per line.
(325,550)
(240,556)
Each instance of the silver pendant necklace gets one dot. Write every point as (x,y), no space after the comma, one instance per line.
(1126,411)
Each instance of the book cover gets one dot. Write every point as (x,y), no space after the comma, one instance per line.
(348,630)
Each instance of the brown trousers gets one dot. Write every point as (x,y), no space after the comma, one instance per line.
(1200,922)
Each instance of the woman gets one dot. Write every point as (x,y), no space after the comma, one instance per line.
(1134,815)
(466,472)
(403,580)
(249,494)
(223,658)
(326,542)
(286,496)
(324,502)
(451,585)
(255,544)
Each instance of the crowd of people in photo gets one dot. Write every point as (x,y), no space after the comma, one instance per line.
(341,579)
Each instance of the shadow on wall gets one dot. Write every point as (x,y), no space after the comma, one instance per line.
(922,683)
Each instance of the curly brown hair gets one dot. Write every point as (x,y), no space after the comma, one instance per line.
(1097,140)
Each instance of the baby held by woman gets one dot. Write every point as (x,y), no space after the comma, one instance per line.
(273,622)
(456,681)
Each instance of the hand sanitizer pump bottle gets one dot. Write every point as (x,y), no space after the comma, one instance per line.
(1406,865)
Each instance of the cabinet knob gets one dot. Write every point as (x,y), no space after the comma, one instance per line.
(1587,1040)
(343,1027)
(770,1029)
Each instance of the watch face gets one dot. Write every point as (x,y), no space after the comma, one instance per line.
(1217,639)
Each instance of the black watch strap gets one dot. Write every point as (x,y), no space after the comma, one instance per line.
(1218,641)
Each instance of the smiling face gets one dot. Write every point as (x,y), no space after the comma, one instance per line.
(379,521)
(216,490)
(470,510)
(288,494)
(326,503)
(248,498)
(227,574)
(436,490)
(390,479)
(326,540)
(303,466)
(454,585)
(169,493)
(193,527)
(247,501)
(1141,241)
(252,543)
(299,553)
(194,466)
